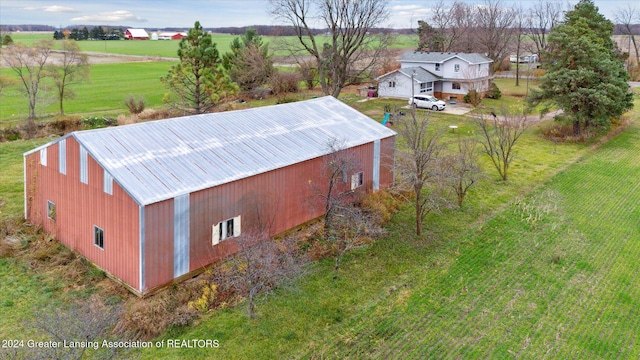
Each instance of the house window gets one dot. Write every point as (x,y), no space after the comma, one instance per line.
(51,210)
(357,180)
(392,84)
(98,237)
(437,67)
(456,67)
(455,86)
(225,229)
(426,87)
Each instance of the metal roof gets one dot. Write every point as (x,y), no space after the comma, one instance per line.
(441,57)
(421,74)
(158,160)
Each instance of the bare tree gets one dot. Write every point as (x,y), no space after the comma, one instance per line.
(353,227)
(499,137)
(543,16)
(463,167)
(334,191)
(351,50)
(626,17)
(494,31)
(419,168)
(74,67)
(447,26)
(261,265)
(85,322)
(519,27)
(29,64)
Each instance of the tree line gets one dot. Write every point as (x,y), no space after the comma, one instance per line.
(96,33)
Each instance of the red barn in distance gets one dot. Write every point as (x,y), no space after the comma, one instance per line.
(152,203)
(171,35)
(136,34)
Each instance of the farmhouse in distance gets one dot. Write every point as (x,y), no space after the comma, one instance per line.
(446,75)
(152,202)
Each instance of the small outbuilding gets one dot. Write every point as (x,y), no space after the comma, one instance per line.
(136,34)
(154,202)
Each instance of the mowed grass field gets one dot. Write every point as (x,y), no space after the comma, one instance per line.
(169,48)
(544,266)
(104,94)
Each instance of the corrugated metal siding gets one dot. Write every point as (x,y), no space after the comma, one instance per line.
(158,244)
(180,235)
(387,161)
(275,201)
(159,160)
(79,207)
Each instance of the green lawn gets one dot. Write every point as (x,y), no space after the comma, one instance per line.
(104,93)
(169,48)
(541,266)
(458,291)
(11,176)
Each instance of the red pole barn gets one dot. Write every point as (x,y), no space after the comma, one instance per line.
(154,202)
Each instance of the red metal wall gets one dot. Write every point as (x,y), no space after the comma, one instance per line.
(277,201)
(387,161)
(81,206)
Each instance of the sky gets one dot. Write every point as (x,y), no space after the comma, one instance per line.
(210,13)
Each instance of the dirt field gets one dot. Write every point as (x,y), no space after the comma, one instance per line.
(101,58)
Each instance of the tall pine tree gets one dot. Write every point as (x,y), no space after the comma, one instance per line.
(198,80)
(584,75)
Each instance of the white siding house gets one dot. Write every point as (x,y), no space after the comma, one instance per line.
(444,75)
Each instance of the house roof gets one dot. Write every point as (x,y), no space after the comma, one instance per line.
(421,74)
(158,160)
(441,57)
(138,32)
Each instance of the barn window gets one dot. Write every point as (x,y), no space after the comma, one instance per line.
(357,180)
(43,157)
(108,183)
(84,171)
(98,237)
(455,86)
(51,210)
(392,84)
(225,229)
(62,156)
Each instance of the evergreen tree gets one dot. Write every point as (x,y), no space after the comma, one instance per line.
(198,80)
(584,75)
(248,63)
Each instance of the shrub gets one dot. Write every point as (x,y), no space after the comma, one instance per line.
(285,82)
(135,106)
(381,205)
(10,134)
(494,92)
(309,73)
(98,121)
(473,98)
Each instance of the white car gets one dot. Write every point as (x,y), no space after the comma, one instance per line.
(427,102)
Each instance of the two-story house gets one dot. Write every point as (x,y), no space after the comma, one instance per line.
(445,75)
